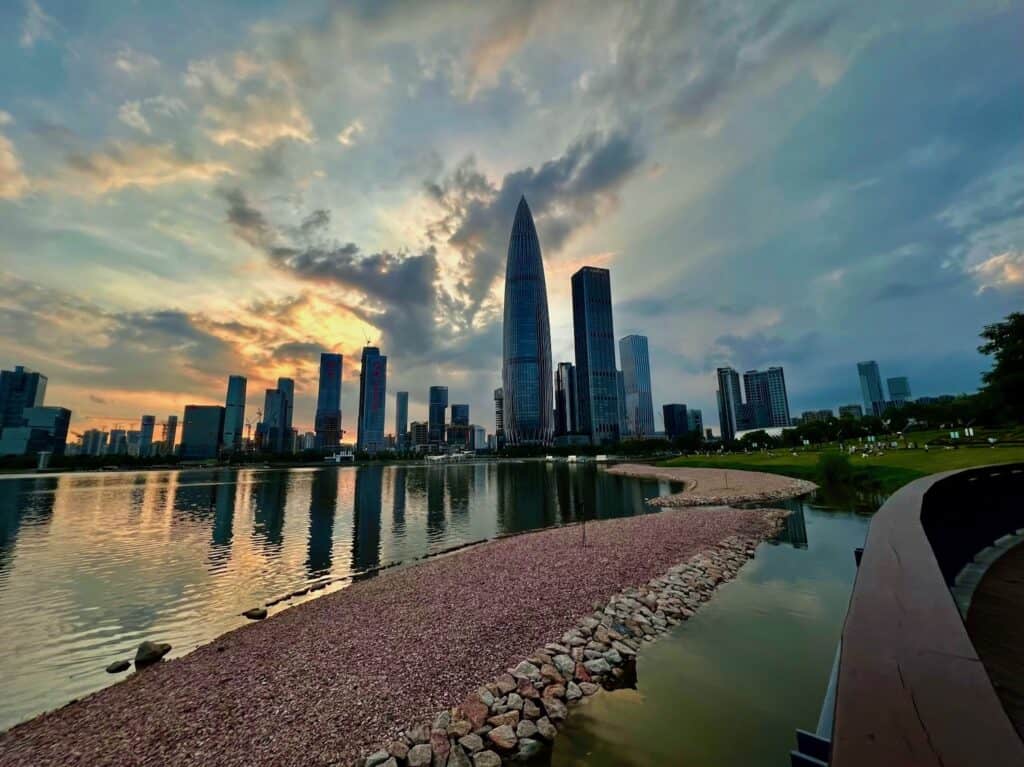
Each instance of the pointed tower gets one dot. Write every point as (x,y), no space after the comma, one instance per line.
(526,367)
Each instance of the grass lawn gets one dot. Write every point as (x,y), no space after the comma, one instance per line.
(886,472)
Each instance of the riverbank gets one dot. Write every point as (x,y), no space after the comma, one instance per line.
(706,486)
(329,681)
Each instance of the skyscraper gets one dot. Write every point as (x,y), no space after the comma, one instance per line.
(730,402)
(871,388)
(372,400)
(766,394)
(526,346)
(402,420)
(270,432)
(594,341)
(42,429)
(94,442)
(438,404)
(460,415)
(146,429)
(676,422)
(327,421)
(565,399)
(499,416)
(620,393)
(170,434)
(201,434)
(287,388)
(460,432)
(19,388)
(234,413)
(636,380)
(695,420)
(899,390)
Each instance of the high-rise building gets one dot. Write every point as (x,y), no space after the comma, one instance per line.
(695,420)
(460,415)
(851,411)
(766,394)
(594,342)
(810,416)
(270,433)
(526,338)
(134,439)
(287,388)
(118,442)
(170,434)
(201,432)
(402,420)
(146,428)
(19,388)
(419,433)
(730,403)
(234,413)
(460,433)
(620,393)
(94,442)
(871,388)
(372,400)
(437,405)
(499,416)
(565,399)
(676,422)
(42,429)
(899,390)
(327,421)
(636,375)
(479,438)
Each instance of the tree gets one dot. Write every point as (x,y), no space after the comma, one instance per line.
(1004,383)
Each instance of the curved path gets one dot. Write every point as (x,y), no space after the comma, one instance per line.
(325,682)
(716,487)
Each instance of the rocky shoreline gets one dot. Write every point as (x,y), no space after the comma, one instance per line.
(716,487)
(515,716)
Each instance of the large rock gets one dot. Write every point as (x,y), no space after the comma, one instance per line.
(440,745)
(546,729)
(255,613)
(514,701)
(530,709)
(378,757)
(526,689)
(150,653)
(420,755)
(460,727)
(485,695)
(398,749)
(472,742)
(486,759)
(554,691)
(475,710)
(509,717)
(118,666)
(556,709)
(506,683)
(503,737)
(526,670)
(589,688)
(573,691)
(419,734)
(623,648)
(597,666)
(458,758)
(565,665)
(528,749)
(526,729)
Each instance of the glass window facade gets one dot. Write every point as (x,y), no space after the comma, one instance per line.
(327,422)
(594,340)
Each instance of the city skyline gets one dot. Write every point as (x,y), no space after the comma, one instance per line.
(323,215)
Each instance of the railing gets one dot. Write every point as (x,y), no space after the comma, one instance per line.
(911,689)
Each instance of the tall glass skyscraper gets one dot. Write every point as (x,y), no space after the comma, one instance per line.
(526,346)
(402,420)
(287,388)
(730,403)
(636,375)
(766,395)
(234,413)
(499,416)
(19,388)
(327,422)
(871,388)
(437,405)
(677,423)
(899,390)
(146,428)
(565,399)
(372,400)
(594,340)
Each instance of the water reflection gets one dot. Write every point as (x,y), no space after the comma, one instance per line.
(271,494)
(366,518)
(398,502)
(436,524)
(224,520)
(26,502)
(323,500)
(794,530)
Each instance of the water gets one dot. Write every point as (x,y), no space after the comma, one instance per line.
(731,685)
(92,564)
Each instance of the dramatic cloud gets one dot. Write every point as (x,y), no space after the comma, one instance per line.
(128,164)
(1003,271)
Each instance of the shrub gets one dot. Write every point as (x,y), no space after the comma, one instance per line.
(834,469)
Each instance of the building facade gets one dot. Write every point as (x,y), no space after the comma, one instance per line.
(636,383)
(766,394)
(146,428)
(499,417)
(851,411)
(594,344)
(170,434)
(327,420)
(94,442)
(565,399)
(676,422)
(287,388)
(373,378)
(730,403)
(402,420)
(19,388)
(419,434)
(270,435)
(526,338)
(899,391)
(437,406)
(234,413)
(202,431)
(695,420)
(871,388)
(42,429)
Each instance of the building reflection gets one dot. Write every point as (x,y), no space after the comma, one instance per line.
(269,498)
(225,497)
(794,530)
(459,482)
(436,524)
(27,502)
(323,501)
(366,518)
(400,478)
(527,497)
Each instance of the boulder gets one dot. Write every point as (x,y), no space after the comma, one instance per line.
(460,727)
(255,613)
(506,683)
(597,666)
(515,701)
(486,759)
(419,734)
(530,709)
(503,737)
(458,758)
(526,670)
(475,710)
(573,691)
(556,709)
(554,691)
(589,688)
(420,755)
(398,749)
(509,717)
(378,757)
(528,749)
(526,689)
(150,653)
(118,666)
(546,729)
(565,665)
(526,729)
(472,742)
(440,745)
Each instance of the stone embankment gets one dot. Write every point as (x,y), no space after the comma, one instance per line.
(717,487)
(517,714)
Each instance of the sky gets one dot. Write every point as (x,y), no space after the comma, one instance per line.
(190,190)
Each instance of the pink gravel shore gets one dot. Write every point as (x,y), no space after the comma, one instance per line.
(324,682)
(716,487)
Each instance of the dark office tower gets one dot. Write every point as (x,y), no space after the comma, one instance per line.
(19,388)
(565,399)
(170,434)
(200,436)
(871,387)
(594,340)
(146,429)
(460,415)
(402,420)
(636,374)
(234,413)
(899,390)
(620,389)
(460,433)
(287,388)
(695,421)
(270,432)
(327,421)
(730,403)
(676,422)
(526,346)
(766,395)
(438,404)
(499,416)
(373,378)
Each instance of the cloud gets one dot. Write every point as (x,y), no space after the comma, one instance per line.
(347,137)
(98,400)
(129,164)
(502,40)
(1003,271)
(132,113)
(134,63)
(13,181)
(37,25)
